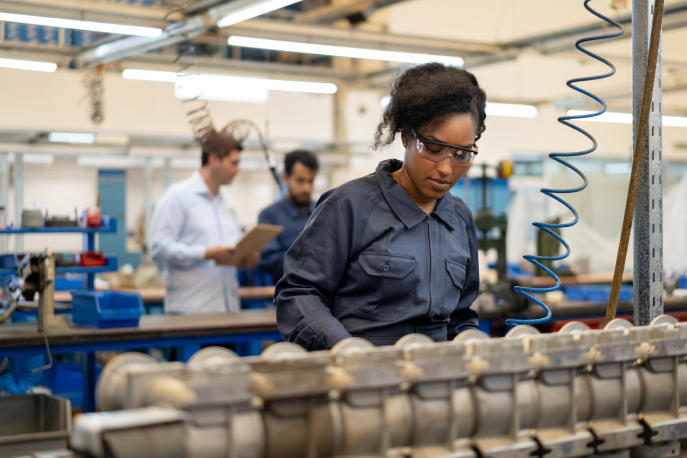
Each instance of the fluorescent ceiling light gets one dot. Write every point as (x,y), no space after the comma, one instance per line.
(623,168)
(190,85)
(67,137)
(45,160)
(252,10)
(28,65)
(82,25)
(342,51)
(626,118)
(109,162)
(511,110)
(609,116)
(209,87)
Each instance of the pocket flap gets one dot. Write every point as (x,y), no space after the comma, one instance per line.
(457,273)
(387,265)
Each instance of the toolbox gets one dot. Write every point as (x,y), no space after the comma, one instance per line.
(106,309)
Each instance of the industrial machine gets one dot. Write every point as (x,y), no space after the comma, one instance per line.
(35,274)
(581,392)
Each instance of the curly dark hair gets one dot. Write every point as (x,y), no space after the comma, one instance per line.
(426,95)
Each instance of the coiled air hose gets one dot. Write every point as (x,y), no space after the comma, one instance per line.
(559,157)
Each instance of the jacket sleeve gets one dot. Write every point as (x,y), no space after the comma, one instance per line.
(165,228)
(463,316)
(272,256)
(313,269)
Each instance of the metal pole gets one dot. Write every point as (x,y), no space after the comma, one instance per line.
(4,195)
(648,219)
(148,196)
(168,173)
(18,199)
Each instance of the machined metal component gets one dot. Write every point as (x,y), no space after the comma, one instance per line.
(577,393)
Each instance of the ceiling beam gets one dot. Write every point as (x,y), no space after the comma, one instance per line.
(89,10)
(331,13)
(288,31)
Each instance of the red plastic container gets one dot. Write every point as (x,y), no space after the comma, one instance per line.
(92,259)
(93,217)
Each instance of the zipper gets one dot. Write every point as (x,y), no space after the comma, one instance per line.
(429,244)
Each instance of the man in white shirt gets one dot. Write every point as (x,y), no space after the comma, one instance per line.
(194,229)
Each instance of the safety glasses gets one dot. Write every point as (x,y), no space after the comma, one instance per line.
(438,151)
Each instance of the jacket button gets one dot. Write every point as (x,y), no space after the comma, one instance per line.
(385,267)
(463,281)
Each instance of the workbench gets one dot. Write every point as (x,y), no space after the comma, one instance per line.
(188,333)
(591,313)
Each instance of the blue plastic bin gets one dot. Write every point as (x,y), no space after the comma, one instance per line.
(575,293)
(106,309)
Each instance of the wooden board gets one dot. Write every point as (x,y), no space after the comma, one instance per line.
(596,279)
(150,327)
(157,295)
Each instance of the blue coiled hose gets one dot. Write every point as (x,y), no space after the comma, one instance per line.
(525,291)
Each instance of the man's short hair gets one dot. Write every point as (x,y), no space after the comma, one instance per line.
(306,158)
(221,143)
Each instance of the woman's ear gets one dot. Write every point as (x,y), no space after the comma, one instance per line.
(404,137)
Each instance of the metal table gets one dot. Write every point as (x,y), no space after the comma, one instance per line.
(189,333)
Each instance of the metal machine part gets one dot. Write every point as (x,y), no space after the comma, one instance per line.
(576,393)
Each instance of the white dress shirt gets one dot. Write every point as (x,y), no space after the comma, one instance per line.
(186,221)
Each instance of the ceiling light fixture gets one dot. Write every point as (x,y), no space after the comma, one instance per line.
(626,118)
(82,25)
(343,51)
(253,9)
(219,87)
(511,110)
(17,64)
(68,137)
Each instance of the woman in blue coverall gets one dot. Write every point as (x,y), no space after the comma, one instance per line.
(394,252)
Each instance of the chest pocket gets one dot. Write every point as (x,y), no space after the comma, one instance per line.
(454,285)
(385,286)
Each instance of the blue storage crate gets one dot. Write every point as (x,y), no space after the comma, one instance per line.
(627,293)
(598,294)
(65,379)
(106,309)
(575,293)
(67,284)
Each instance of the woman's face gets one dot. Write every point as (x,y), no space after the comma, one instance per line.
(434,179)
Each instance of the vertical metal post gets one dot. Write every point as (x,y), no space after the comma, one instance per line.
(18,199)
(168,178)
(4,196)
(148,196)
(648,219)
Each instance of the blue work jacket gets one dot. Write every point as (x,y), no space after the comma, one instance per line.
(290,216)
(370,263)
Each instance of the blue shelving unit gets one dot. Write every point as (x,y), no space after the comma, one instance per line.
(108,226)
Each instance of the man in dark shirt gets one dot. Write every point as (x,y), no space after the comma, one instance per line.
(291,212)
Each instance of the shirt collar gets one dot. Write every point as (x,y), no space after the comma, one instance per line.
(199,186)
(403,206)
(295,211)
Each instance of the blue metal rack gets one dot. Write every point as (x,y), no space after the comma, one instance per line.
(108,226)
